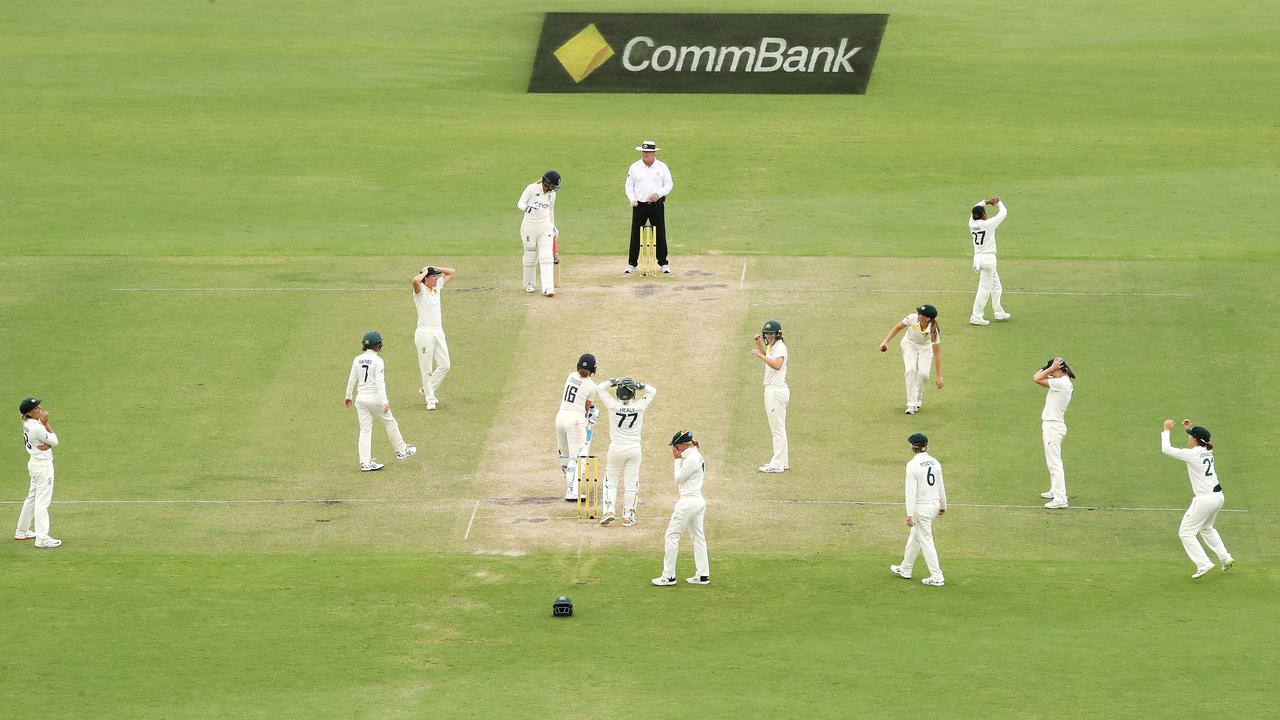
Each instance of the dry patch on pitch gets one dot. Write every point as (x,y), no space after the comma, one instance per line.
(676,332)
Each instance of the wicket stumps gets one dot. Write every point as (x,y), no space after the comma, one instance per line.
(589,487)
(648,251)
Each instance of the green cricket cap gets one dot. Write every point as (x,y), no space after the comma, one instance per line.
(918,439)
(28,404)
(681,436)
(371,338)
(928,311)
(1197,432)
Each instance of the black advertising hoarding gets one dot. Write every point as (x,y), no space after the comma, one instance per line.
(706,53)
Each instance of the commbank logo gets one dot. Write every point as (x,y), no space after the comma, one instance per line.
(584,53)
(706,53)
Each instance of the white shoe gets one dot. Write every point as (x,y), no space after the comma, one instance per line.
(1199,571)
(912,410)
(666,269)
(663,581)
(48,543)
(528,288)
(630,269)
(629,521)
(1003,316)
(32,536)
(608,518)
(1046,495)
(371,466)
(1056,504)
(699,580)
(548,293)
(897,570)
(770,469)
(432,404)
(975,320)
(409,452)
(938,581)
(570,496)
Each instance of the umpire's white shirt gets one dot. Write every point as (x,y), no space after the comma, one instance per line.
(645,180)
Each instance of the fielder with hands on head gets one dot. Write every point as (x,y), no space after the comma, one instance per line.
(538,230)
(921,345)
(688,514)
(433,351)
(648,185)
(576,414)
(1057,376)
(926,501)
(772,351)
(368,381)
(1208,499)
(626,420)
(982,231)
(39,439)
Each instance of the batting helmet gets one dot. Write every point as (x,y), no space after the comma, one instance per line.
(772,326)
(371,338)
(626,389)
(562,607)
(587,362)
(552,178)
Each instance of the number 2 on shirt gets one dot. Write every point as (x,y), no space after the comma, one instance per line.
(979,237)
(1208,467)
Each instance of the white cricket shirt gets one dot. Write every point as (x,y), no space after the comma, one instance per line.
(367,377)
(689,471)
(427,302)
(626,419)
(577,391)
(1201,471)
(539,207)
(645,180)
(776,377)
(917,335)
(924,483)
(33,434)
(1057,399)
(983,232)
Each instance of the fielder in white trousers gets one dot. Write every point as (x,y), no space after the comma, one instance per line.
(366,410)
(35,509)
(988,287)
(920,540)
(776,398)
(690,470)
(433,360)
(916,361)
(1208,499)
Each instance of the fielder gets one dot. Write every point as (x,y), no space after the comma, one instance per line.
(537,231)
(983,233)
(688,513)
(576,415)
(626,419)
(368,380)
(926,501)
(1057,376)
(1208,498)
(39,439)
(921,345)
(433,351)
(773,352)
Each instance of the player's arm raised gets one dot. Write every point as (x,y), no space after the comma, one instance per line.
(1041,377)
(897,328)
(416,282)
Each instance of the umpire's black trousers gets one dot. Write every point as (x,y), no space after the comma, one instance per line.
(654,213)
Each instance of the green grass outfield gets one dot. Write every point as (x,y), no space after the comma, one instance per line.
(204,205)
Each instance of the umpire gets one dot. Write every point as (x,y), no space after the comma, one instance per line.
(648,185)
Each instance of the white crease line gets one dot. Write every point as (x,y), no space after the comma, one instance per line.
(993,506)
(470,522)
(902,291)
(742,280)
